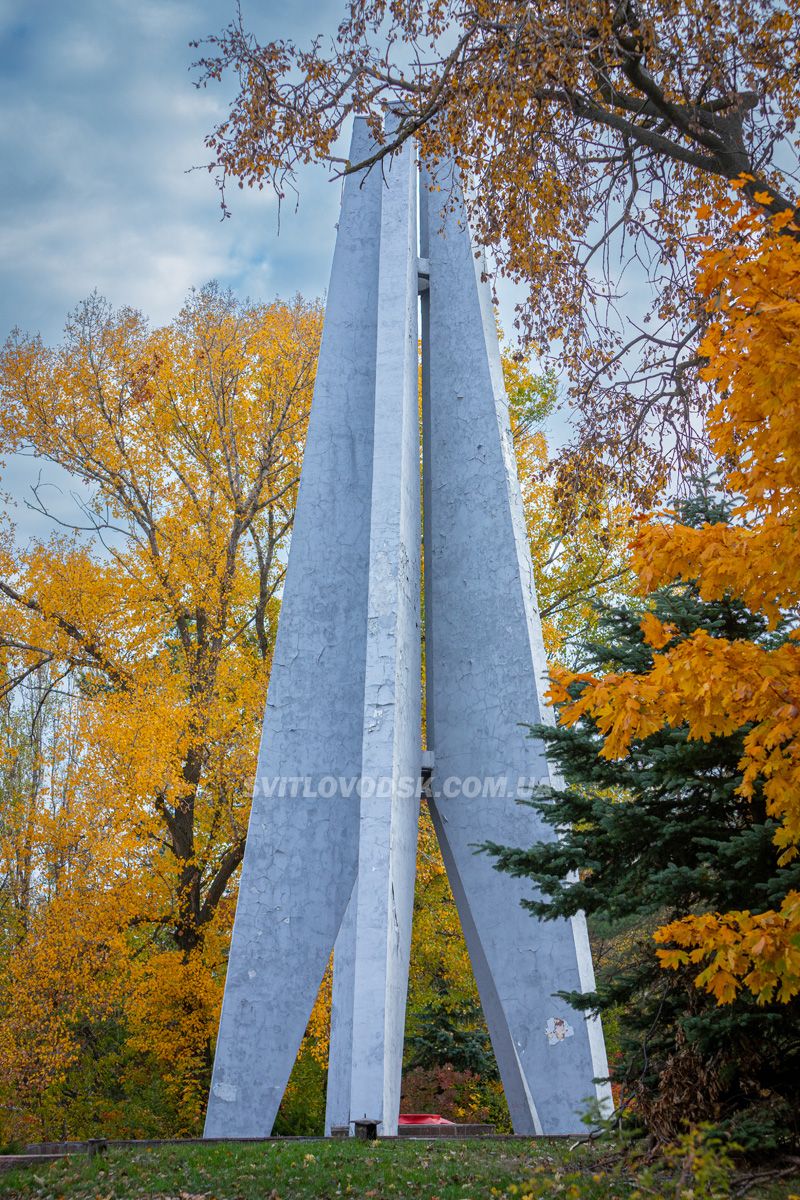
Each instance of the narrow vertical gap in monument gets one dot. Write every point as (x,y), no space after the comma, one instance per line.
(449,1064)
(425,441)
(302,1108)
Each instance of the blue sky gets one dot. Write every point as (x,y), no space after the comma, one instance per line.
(100,124)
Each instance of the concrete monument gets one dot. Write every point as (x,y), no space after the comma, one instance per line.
(331,845)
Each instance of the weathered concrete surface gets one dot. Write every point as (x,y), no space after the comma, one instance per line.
(485,670)
(392,719)
(344,701)
(302,854)
(391,749)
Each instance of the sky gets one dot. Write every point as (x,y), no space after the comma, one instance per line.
(101,135)
(100,127)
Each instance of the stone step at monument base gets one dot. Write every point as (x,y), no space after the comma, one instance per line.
(446,1130)
(13,1162)
(61,1148)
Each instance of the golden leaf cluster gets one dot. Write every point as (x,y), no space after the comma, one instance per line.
(713,684)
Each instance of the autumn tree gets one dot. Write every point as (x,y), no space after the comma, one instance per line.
(648,838)
(579,551)
(590,133)
(161,612)
(449,1065)
(714,685)
(37,752)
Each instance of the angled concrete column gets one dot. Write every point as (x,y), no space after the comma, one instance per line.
(301,859)
(486,674)
(392,749)
(379,938)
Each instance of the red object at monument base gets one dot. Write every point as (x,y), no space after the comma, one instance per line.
(422,1119)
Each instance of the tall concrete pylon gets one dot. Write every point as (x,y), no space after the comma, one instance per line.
(331,845)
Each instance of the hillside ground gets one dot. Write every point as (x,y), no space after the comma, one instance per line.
(514,1169)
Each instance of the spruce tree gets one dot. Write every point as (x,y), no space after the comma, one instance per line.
(652,837)
(458,1039)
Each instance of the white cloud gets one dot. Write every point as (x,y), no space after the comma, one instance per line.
(99,126)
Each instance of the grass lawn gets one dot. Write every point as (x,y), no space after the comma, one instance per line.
(518,1170)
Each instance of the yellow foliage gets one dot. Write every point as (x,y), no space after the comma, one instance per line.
(712,684)
(440,966)
(162,623)
(578,549)
(761,951)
